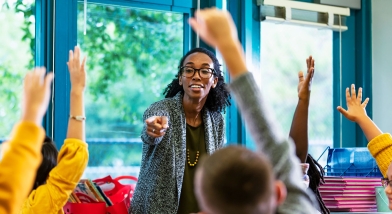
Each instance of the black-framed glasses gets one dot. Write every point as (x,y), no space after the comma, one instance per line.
(385,182)
(204,73)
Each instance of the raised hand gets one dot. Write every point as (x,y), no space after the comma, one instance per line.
(215,27)
(356,109)
(304,84)
(36,95)
(156,126)
(77,70)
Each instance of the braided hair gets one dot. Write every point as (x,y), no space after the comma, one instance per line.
(316,175)
(218,98)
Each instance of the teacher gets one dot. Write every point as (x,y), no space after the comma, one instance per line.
(178,131)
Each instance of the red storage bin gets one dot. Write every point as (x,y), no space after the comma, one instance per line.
(120,196)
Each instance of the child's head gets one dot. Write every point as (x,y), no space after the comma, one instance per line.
(49,161)
(237,180)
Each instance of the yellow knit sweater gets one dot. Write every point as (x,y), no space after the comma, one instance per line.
(19,165)
(381,149)
(52,196)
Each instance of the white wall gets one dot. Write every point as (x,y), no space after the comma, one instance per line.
(382,63)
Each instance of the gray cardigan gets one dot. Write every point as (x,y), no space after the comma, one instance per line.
(159,185)
(280,152)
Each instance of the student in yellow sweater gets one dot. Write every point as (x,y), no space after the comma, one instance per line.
(22,157)
(55,184)
(380,144)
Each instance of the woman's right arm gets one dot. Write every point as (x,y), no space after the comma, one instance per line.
(156,122)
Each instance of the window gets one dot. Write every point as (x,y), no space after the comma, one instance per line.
(284,49)
(133,55)
(17,22)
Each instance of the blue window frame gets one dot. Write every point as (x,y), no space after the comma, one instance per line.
(356,57)
(356,66)
(66,38)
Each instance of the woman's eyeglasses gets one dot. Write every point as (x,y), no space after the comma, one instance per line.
(204,73)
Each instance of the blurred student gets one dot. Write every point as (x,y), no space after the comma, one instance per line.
(59,173)
(235,179)
(22,155)
(312,171)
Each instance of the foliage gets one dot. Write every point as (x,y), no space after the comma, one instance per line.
(16,56)
(132,55)
(284,49)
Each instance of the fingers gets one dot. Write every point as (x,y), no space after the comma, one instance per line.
(348,97)
(194,24)
(309,76)
(300,76)
(74,58)
(365,102)
(165,123)
(83,62)
(353,93)
(151,119)
(48,79)
(343,111)
(156,126)
(359,96)
(310,63)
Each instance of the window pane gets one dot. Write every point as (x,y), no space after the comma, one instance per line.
(284,49)
(132,56)
(17,23)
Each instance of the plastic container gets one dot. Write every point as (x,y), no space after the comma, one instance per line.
(351,162)
(382,200)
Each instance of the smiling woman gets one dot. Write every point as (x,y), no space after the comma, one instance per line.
(178,131)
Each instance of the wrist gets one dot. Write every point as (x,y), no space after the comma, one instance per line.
(32,116)
(305,101)
(234,57)
(77,90)
(226,45)
(362,120)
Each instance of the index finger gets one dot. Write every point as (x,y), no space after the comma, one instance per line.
(165,123)
(151,120)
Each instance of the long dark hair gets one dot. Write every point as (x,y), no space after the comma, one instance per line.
(316,175)
(218,98)
(49,161)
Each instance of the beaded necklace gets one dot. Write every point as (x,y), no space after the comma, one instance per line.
(197,152)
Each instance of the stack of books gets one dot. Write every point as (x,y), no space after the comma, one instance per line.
(350,194)
(88,192)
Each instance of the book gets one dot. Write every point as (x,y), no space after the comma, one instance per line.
(82,187)
(107,199)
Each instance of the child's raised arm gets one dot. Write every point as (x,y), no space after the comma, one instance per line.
(23,156)
(77,73)
(299,125)
(356,112)
(73,156)
(217,29)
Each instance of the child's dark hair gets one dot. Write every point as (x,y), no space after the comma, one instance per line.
(218,98)
(49,161)
(316,175)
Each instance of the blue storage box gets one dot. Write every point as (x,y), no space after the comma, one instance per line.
(356,162)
